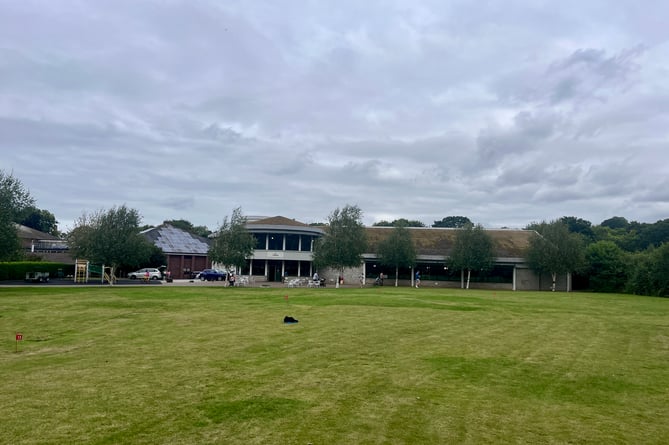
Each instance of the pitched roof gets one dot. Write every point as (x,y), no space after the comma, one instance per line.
(277,221)
(26,232)
(174,240)
(439,241)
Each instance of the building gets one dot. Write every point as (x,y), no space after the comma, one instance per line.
(186,253)
(43,246)
(284,250)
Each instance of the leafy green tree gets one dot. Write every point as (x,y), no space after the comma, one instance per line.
(649,274)
(344,241)
(399,222)
(555,250)
(111,238)
(607,266)
(41,220)
(187,226)
(579,225)
(233,243)
(472,250)
(617,222)
(455,222)
(397,250)
(14,199)
(9,239)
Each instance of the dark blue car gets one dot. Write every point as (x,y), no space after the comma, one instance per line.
(212,275)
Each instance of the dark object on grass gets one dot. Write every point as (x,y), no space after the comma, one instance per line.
(289,320)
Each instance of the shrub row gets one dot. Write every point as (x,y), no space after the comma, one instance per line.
(17,270)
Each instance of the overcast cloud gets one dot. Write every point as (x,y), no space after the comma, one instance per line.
(506,112)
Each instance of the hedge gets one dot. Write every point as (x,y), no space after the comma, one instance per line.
(17,270)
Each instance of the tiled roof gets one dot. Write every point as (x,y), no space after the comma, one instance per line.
(173,240)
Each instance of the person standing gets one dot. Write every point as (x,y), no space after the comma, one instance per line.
(418,278)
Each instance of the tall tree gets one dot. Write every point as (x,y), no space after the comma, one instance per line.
(344,241)
(397,250)
(399,222)
(41,220)
(233,243)
(555,250)
(111,238)
(607,266)
(14,199)
(9,239)
(454,222)
(187,226)
(579,225)
(472,250)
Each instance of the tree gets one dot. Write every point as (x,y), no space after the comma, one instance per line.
(233,243)
(14,199)
(14,196)
(555,250)
(344,241)
(111,238)
(399,222)
(607,266)
(455,222)
(397,250)
(41,220)
(187,226)
(9,239)
(472,250)
(579,225)
(617,222)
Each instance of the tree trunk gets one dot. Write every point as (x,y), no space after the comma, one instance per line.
(396,273)
(469,275)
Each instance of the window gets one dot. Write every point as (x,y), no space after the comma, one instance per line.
(275,242)
(306,243)
(292,242)
(261,241)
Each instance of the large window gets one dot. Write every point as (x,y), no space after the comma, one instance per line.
(290,268)
(292,242)
(261,241)
(306,243)
(258,268)
(275,242)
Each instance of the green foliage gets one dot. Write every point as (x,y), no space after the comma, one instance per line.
(455,222)
(555,250)
(41,220)
(233,243)
(110,237)
(472,250)
(344,241)
(187,226)
(17,270)
(650,272)
(399,222)
(14,197)
(580,226)
(607,266)
(617,222)
(9,238)
(398,249)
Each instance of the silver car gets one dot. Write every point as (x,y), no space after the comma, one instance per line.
(154,274)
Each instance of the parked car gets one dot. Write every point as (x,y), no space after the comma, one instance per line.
(212,275)
(154,274)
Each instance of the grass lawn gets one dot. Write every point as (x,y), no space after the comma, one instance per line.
(211,365)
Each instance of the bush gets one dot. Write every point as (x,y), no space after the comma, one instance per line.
(17,270)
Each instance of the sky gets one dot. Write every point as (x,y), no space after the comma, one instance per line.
(507,112)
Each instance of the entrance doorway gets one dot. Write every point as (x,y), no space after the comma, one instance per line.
(274,271)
